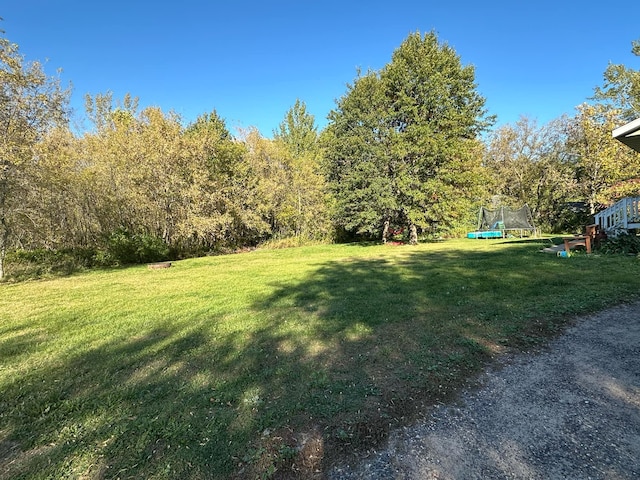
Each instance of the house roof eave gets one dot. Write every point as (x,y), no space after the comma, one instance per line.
(629,134)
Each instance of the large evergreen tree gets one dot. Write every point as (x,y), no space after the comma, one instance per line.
(401,145)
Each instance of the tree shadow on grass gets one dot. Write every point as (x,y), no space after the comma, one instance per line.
(320,366)
(162,404)
(172,402)
(391,336)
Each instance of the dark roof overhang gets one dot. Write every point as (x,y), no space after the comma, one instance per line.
(629,134)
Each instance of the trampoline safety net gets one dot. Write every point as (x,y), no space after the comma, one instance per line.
(505,218)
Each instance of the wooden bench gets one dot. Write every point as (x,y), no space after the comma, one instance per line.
(584,240)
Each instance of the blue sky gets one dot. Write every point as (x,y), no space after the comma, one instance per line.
(250,60)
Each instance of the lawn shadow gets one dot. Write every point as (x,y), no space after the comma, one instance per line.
(332,362)
(389,337)
(171,402)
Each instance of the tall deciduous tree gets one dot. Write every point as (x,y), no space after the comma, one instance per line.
(225,205)
(358,158)
(56,194)
(602,161)
(402,143)
(298,130)
(114,164)
(31,103)
(296,140)
(619,103)
(192,187)
(528,164)
(621,88)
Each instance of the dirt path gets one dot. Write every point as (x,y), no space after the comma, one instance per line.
(571,411)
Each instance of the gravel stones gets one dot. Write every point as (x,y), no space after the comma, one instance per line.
(570,411)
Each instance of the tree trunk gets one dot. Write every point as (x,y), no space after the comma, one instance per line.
(413,234)
(3,252)
(4,240)
(4,228)
(385,231)
(592,204)
(299,219)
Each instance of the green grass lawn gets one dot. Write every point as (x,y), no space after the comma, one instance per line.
(255,364)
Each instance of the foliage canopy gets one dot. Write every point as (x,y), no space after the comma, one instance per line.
(31,104)
(401,145)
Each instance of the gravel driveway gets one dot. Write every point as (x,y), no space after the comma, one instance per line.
(571,411)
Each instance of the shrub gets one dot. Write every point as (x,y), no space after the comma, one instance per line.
(289,242)
(124,248)
(625,243)
(41,262)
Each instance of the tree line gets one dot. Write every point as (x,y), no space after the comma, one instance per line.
(407,147)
